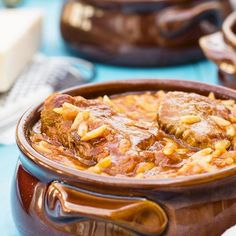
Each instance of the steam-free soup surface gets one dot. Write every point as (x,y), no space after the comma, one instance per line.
(147,135)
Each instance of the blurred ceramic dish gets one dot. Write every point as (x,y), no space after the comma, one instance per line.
(141,33)
(220,47)
(52,199)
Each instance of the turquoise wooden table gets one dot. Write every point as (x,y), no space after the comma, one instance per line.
(53,45)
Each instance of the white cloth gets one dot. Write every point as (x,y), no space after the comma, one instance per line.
(10,113)
(230,232)
(40,78)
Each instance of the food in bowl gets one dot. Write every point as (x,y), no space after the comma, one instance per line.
(50,198)
(142,135)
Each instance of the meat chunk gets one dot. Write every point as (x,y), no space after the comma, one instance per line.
(197,120)
(51,122)
(93,129)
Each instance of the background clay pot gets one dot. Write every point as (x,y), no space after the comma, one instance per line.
(220,47)
(141,33)
(52,199)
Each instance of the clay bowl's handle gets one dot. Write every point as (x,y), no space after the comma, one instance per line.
(221,47)
(176,21)
(64,203)
(229,30)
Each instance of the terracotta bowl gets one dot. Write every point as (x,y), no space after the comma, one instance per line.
(51,199)
(220,47)
(141,32)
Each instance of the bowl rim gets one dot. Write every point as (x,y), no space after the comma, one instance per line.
(134,2)
(127,182)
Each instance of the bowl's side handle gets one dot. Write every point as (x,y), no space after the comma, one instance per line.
(218,51)
(175,21)
(65,203)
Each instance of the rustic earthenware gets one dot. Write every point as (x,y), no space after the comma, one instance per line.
(220,47)
(51,199)
(141,32)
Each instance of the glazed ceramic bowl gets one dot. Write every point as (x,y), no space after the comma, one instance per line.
(141,32)
(49,198)
(220,47)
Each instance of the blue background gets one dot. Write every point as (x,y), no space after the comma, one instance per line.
(53,45)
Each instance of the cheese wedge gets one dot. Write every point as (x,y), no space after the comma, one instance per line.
(20,34)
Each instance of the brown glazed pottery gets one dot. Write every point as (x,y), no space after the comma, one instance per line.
(220,47)
(141,32)
(51,199)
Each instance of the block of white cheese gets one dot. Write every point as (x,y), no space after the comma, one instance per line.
(20,35)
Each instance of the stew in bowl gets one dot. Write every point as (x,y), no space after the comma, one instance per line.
(134,157)
(142,135)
